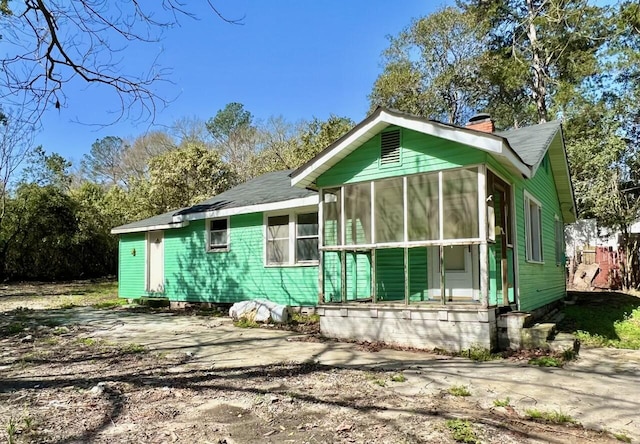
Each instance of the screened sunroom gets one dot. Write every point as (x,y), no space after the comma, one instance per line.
(434,238)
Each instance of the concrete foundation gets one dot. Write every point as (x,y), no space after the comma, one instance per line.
(449,328)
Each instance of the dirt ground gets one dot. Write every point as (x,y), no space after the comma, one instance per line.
(60,382)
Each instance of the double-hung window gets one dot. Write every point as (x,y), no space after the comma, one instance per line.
(533,220)
(292,239)
(218,235)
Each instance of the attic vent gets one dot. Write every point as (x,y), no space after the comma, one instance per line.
(390,147)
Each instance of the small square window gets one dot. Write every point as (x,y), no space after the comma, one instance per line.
(218,235)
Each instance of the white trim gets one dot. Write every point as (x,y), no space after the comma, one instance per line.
(148,228)
(484,141)
(272,206)
(182,220)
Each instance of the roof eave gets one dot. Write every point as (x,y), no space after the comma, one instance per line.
(124,230)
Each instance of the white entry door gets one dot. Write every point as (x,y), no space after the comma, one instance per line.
(461,269)
(155,261)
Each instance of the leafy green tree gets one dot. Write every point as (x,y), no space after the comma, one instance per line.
(95,248)
(104,162)
(431,67)
(236,137)
(292,147)
(319,134)
(38,234)
(553,44)
(48,170)
(183,177)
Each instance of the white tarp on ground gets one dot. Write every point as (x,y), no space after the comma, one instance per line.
(259,310)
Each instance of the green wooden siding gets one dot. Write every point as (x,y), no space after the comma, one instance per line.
(358,275)
(418,275)
(390,274)
(421,153)
(332,280)
(131,265)
(539,284)
(192,274)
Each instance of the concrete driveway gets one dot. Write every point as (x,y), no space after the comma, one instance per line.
(601,389)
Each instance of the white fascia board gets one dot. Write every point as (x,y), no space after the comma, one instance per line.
(260,208)
(485,142)
(340,152)
(149,228)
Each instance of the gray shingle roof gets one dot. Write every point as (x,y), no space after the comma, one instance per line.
(159,220)
(531,142)
(268,188)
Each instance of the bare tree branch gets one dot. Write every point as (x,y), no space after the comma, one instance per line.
(53,43)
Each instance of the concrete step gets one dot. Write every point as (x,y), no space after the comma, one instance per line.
(562,342)
(538,335)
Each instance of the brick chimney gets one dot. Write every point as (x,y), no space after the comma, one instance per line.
(481,122)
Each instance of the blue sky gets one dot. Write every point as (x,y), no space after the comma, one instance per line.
(297,59)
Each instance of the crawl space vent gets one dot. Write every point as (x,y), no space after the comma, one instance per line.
(390,147)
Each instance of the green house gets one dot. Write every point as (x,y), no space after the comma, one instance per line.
(405,230)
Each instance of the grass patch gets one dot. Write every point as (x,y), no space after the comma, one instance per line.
(399,377)
(458,390)
(479,354)
(621,437)
(15,328)
(299,318)
(246,323)
(88,342)
(373,377)
(462,431)
(605,319)
(133,348)
(102,305)
(555,416)
(502,402)
(546,361)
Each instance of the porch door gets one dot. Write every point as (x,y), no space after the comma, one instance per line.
(460,268)
(155,261)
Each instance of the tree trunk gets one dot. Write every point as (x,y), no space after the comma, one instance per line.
(539,91)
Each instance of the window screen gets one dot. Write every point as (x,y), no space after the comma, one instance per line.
(460,203)
(357,207)
(331,215)
(389,213)
(423,212)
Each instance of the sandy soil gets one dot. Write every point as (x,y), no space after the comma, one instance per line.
(59,384)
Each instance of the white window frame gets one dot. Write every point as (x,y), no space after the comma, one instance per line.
(293,238)
(221,247)
(529,241)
